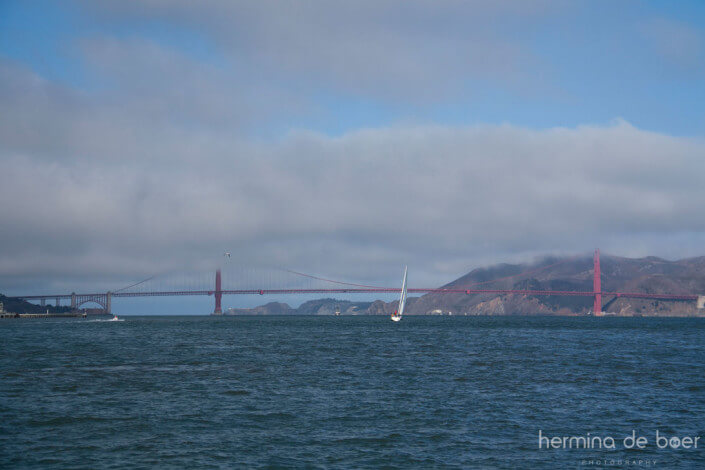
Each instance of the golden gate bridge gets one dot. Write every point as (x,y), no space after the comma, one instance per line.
(104,300)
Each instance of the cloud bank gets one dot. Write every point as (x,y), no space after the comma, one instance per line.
(126,199)
(184,145)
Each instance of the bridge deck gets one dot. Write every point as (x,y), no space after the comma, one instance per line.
(390,290)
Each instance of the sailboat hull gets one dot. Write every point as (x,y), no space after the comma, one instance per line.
(395,318)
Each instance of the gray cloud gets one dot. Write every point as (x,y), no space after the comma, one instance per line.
(400,50)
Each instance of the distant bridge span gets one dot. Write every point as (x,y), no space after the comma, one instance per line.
(105,299)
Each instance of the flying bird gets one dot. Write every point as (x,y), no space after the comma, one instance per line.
(227,253)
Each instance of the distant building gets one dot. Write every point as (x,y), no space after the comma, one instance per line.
(2,308)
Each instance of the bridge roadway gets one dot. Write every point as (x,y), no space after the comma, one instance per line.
(382,290)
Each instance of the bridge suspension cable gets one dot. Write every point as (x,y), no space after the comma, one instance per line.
(135,284)
(331,280)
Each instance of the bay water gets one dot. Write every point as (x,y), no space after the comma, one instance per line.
(350,392)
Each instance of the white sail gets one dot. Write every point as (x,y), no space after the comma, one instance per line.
(402,299)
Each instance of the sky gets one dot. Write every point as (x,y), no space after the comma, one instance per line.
(343,139)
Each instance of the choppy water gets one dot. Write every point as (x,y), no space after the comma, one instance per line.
(346,392)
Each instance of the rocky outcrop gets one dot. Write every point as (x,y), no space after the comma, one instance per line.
(272,308)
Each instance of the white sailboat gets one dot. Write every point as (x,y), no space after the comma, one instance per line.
(396,316)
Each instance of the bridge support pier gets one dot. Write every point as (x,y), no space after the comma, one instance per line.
(108,303)
(73,300)
(42,302)
(58,302)
(597,285)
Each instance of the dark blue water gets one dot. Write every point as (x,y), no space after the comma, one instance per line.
(347,392)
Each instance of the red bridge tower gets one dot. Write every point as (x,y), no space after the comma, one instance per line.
(597,285)
(218,293)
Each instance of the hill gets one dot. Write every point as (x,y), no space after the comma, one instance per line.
(312,307)
(21,306)
(647,275)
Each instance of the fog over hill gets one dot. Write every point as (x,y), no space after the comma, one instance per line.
(647,275)
(644,275)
